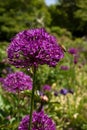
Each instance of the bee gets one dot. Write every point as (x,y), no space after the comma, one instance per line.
(63,47)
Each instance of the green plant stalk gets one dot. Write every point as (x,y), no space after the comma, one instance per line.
(32,99)
(18,106)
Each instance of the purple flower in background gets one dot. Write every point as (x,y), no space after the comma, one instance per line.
(63,91)
(64,67)
(16,82)
(55,93)
(73,51)
(46,88)
(40,121)
(66,91)
(9,69)
(75,59)
(34,47)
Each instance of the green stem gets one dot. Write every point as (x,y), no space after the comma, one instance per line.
(32,100)
(18,107)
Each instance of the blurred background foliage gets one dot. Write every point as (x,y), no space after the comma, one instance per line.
(67,20)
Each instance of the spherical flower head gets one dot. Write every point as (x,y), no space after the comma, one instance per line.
(16,82)
(63,91)
(64,67)
(34,47)
(46,87)
(40,121)
(73,51)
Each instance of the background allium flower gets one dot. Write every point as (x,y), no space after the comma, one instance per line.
(40,121)
(34,47)
(73,51)
(17,81)
(46,88)
(64,67)
(66,91)
(63,91)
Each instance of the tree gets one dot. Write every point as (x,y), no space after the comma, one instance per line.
(70,14)
(17,15)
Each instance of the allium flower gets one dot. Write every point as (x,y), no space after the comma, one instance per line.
(16,82)
(73,51)
(63,91)
(64,67)
(34,47)
(46,88)
(40,121)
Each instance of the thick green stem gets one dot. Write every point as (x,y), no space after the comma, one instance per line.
(32,100)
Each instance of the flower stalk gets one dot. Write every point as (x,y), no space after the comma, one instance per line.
(18,106)
(32,99)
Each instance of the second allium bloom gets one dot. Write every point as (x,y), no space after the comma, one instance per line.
(16,82)
(34,47)
(40,121)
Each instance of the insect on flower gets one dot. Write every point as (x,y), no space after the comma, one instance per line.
(63,47)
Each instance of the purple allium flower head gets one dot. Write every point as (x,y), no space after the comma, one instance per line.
(46,87)
(73,51)
(16,82)
(34,47)
(63,91)
(40,121)
(64,67)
